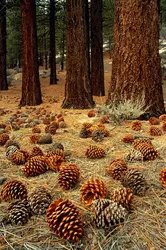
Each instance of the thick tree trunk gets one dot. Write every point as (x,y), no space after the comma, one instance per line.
(3,75)
(53,78)
(78,93)
(97,65)
(136,71)
(31,92)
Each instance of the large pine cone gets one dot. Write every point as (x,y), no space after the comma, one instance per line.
(19,212)
(134,155)
(108,214)
(64,218)
(134,180)
(35,166)
(123,196)
(10,150)
(3,139)
(13,190)
(19,157)
(39,200)
(136,125)
(154,121)
(54,162)
(68,176)
(91,190)
(84,133)
(138,141)
(95,152)
(162,177)
(36,151)
(128,138)
(148,151)
(155,131)
(117,168)
(98,135)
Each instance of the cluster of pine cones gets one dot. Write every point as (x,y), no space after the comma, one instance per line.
(96,132)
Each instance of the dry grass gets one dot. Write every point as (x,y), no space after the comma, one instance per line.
(145,228)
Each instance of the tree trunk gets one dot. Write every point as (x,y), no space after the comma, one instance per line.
(136,70)
(31,92)
(97,65)
(53,78)
(78,93)
(3,75)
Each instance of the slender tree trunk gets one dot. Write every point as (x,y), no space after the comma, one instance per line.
(136,70)
(53,78)
(3,75)
(45,50)
(31,92)
(97,64)
(78,92)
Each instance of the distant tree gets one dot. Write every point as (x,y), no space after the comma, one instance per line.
(78,93)
(53,78)
(31,92)
(136,70)
(97,64)
(3,76)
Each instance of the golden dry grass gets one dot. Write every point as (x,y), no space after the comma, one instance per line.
(145,228)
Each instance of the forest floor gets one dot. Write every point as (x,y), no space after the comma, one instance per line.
(145,228)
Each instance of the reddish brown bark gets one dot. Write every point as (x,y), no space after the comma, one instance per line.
(31,92)
(78,93)
(97,65)
(136,72)
(3,76)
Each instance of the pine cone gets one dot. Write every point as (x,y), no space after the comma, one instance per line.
(19,157)
(134,180)
(128,138)
(53,129)
(68,176)
(46,121)
(98,135)
(87,124)
(91,113)
(95,152)
(3,139)
(154,121)
(155,131)
(162,177)
(54,162)
(45,139)
(10,150)
(36,129)
(58,152)
(163,117)
(123,196)
(36,151)
(105,119)
(19,212)
(163,126)
(91,190)
(13,190)
(64,218)
(84,133)
(35,166)
(34,138)
(148,151)
(136,125)
(117,168)
(133,155)
(138,141)
(12,143)
(39,200)
(108,214)
(103,128)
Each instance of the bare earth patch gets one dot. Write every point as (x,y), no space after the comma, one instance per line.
(145,227)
